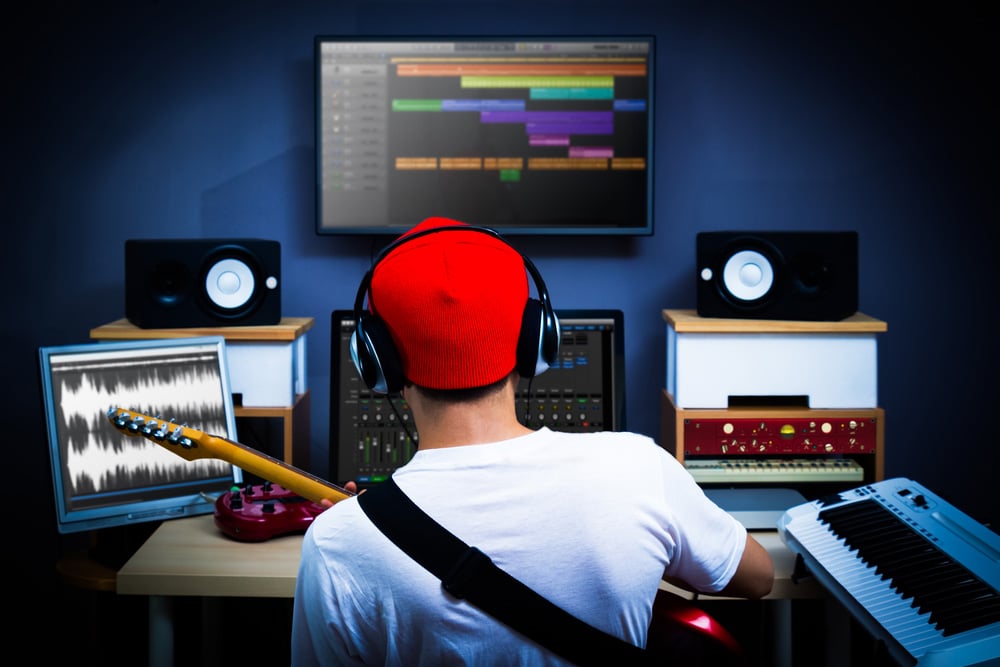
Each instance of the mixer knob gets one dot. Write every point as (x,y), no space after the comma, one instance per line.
(826,427)
(853,424)
(828,447)
(728,428)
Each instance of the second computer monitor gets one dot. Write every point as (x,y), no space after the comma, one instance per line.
(372,435)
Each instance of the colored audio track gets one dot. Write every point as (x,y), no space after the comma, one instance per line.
(582,83)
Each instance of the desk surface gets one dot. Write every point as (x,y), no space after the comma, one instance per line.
(191,557)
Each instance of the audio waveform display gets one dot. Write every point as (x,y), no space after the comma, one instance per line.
(183,387)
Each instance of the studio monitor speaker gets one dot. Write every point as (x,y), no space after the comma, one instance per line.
(778,275)
(172,283)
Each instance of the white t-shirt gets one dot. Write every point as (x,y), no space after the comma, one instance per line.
(590,521)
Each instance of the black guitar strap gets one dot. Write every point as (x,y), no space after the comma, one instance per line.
(469,574)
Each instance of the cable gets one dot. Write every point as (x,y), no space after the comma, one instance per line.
(402,422)
(527,403)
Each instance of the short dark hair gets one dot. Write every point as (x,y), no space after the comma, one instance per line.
(463,395)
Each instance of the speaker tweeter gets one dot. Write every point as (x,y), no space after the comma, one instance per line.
(778,275)
(174,283)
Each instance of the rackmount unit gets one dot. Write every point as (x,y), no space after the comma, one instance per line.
(774,404)
(811,450)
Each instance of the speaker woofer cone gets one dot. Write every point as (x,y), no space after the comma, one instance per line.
(230,284)
(748,276)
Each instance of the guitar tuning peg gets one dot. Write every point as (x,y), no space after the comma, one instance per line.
(120,420)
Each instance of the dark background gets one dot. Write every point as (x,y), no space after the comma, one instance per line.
(195,120)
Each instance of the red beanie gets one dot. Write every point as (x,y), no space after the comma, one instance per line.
(453,303)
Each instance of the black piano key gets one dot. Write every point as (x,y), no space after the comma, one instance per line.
(944,609)
(914,560)
(913,563)
(948,594)
(913,566)
(891,546)
(922,589)
(970,617)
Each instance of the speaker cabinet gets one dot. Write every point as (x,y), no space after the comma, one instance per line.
(778,275)
(173,283)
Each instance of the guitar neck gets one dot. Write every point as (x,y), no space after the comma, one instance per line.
(267,467)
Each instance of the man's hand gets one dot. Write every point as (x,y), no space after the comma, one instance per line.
(351,487)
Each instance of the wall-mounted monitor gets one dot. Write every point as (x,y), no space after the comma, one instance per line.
(103,478)
(527,135)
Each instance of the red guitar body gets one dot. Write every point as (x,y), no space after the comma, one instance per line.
(255,513)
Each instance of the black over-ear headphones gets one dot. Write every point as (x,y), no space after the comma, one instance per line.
(378,361)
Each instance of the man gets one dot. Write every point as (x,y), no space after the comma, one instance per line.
(591,521)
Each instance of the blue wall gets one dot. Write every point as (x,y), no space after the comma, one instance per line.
(140,120)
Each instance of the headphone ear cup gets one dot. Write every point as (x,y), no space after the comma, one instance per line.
(538,342)
(375,356)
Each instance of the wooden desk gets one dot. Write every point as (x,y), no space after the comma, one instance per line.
(190,557)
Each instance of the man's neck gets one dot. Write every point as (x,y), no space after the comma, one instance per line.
(448,424)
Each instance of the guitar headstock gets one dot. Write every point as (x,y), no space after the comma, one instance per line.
(182,440)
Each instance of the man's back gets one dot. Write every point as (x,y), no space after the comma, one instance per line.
(590,521)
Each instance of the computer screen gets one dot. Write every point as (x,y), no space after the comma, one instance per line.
(103,478)
(372,435)
(527,135)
